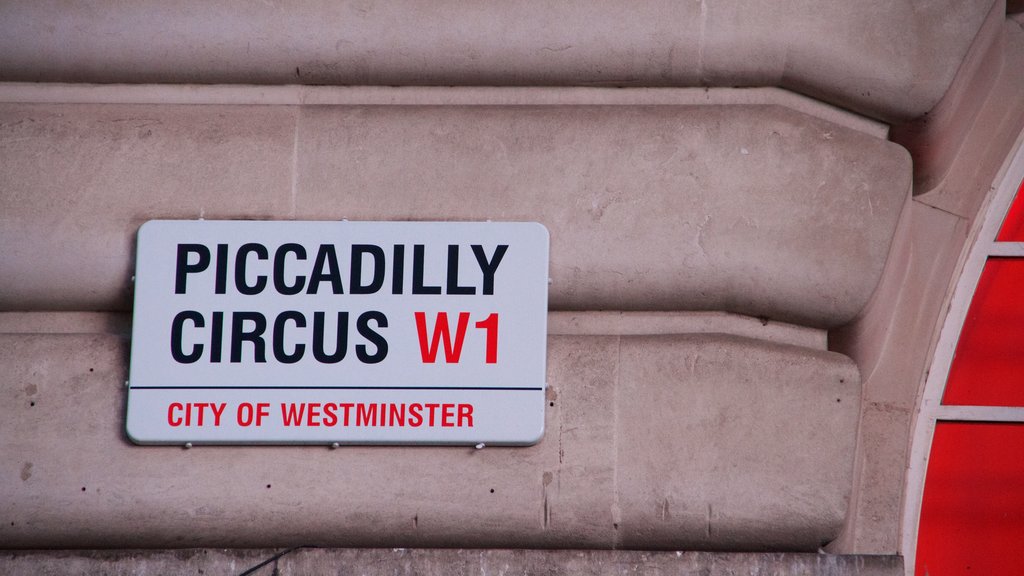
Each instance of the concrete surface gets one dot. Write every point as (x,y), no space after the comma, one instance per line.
(983,142)
(666,442)
(725,421)
(117,323)
(399,562)
(648,323)
(935,138)
(300,95)
(894,338)
(77,182)
(758,210)
(892,344)
(886,59)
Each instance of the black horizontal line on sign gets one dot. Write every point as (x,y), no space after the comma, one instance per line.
(329,388)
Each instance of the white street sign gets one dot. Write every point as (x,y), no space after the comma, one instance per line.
(339,332)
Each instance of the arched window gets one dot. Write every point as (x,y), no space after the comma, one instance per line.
(964,510)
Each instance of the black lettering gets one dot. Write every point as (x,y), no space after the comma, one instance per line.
(340,345)
(221,284)
(279,352)
(183,268)
(325,258)
(216,336)
(363,326)
(239,334)
(240,263)
(398,274)
(176,328)
(417,273)
(489,268)
(280,285)
(453,273)
(355,285)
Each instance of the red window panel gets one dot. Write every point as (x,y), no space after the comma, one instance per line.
(1013,226)
(988,367)
(972,513)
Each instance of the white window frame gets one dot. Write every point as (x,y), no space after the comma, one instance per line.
(930,409)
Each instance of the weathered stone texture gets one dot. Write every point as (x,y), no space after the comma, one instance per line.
(669,441)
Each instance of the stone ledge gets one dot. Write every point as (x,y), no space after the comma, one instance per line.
(894,60)
(300,95)
(752,209)
(590,323)
(697,441)
(399,561)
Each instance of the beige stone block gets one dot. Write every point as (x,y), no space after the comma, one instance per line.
(65,323)
(608,322)
(721,439)
(892,343)
(892,340)
(632,422)
(76,181)
(979,140)
(934,140)
(892,60)
(324,95)
(758,210)
(71,478)
(877,508)
(579,491)
(438,562)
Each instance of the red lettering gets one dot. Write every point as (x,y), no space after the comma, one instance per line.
(291,414)
(193,413)
(171,418)
(465,415)
(245,413)
(452,350)
(396,415)
(490,324)
(430,411)
(346,414)
(415,415)
(330,414)
(366,415)
(262,411)
(217,411)
(313,411)
(201,406)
